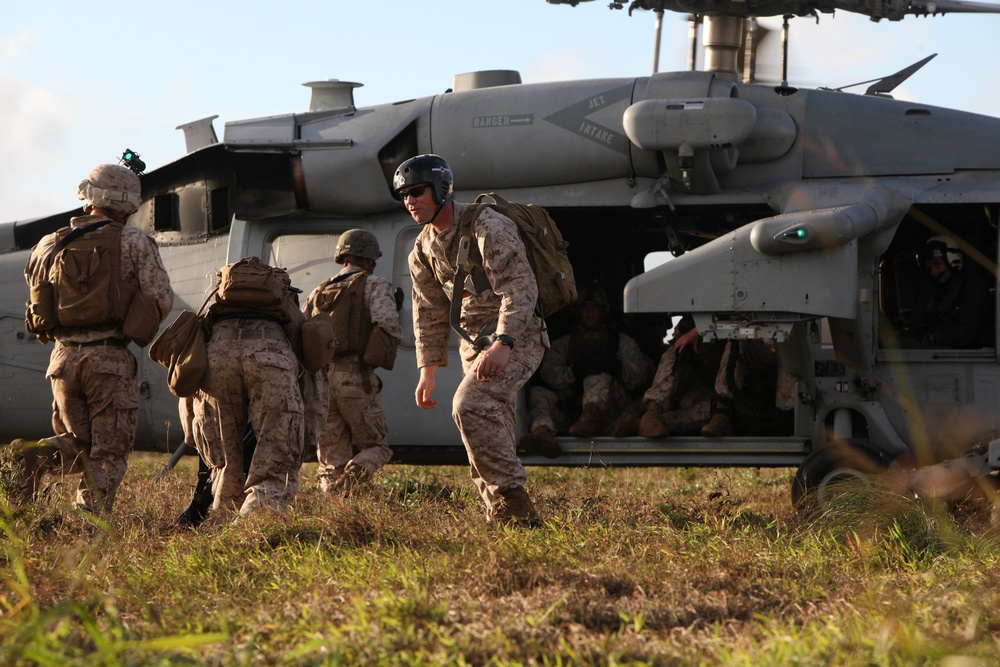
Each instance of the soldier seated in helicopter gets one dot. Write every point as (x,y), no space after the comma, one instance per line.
(678,402)
(955,304)
(587,381)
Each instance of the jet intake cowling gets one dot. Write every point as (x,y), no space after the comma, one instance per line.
(665,125)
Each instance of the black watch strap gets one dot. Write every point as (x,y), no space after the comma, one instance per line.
(505,340)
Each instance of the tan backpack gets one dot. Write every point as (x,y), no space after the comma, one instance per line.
(545,245)
(250,283)
(79,285)
(343,298)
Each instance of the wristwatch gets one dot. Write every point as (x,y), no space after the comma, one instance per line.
(505,340)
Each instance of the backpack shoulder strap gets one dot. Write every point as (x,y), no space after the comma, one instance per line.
(71,236)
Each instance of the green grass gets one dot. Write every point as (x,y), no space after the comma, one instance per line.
(633,567)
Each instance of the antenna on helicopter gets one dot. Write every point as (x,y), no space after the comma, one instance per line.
(886,84)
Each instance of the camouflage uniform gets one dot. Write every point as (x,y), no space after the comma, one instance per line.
(746,356)
(609,394)
(252,375)
(741,360)
(484,410)
(682,387)
(95,390)
(356,410)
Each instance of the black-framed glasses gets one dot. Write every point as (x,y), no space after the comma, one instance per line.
(414,192)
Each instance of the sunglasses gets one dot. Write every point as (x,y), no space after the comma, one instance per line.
(413,192)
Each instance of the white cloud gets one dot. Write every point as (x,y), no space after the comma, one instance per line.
(17,46)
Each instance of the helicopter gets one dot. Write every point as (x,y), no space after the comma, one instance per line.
(786,211)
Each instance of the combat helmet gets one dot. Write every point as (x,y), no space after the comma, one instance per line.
(111,187)
(357,242)
(945,248)
(427,168)
(596,295)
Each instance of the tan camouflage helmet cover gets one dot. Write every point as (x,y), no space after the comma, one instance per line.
(111,187)
(357,242)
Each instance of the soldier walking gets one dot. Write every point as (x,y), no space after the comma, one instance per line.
(95,391)
(497,303)
(356,415)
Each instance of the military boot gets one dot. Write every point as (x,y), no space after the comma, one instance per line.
(588,423)
(31,460)
(719,426)
(355,476)
(541,442)
(651,425)
(625,426)
(515,509)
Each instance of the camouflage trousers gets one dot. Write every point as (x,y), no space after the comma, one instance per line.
(485,412)
(96,401)
(555,410)
(746,356)
(255,380)
(356,419)
(683,386)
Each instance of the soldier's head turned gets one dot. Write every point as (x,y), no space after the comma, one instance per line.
(428,169)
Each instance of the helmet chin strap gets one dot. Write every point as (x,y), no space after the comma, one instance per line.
(436,213)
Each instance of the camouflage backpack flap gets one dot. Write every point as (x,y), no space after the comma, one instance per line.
(546,249)
(252,288)
(85,274)
(343,298)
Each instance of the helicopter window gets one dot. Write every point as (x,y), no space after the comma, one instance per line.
(164,213)
(909,314)
(401,279)
(308,258)
(218,216)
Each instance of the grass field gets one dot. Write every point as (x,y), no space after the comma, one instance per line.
(633,567)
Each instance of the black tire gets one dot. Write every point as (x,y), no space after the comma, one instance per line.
(837,462)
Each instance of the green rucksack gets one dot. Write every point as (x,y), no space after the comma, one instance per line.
(545,245)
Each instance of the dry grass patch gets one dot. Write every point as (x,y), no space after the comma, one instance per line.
(633,567)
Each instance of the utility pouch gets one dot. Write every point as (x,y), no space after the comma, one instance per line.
(381,349)
(142,320)
(319,342)
(181,349)
(40,314)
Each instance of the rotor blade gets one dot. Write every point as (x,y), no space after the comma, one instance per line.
(952,7)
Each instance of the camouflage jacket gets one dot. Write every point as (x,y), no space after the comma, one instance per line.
(510,302)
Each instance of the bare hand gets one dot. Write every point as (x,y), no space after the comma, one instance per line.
(425,388)
(491,361)
(690,338)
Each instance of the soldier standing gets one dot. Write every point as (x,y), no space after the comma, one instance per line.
(93,373)
(510,339)
(356,411)
(252,376)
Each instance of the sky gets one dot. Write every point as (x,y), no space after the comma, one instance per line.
(83,81)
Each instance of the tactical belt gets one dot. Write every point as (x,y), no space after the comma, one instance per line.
(104,342)
(246,334)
